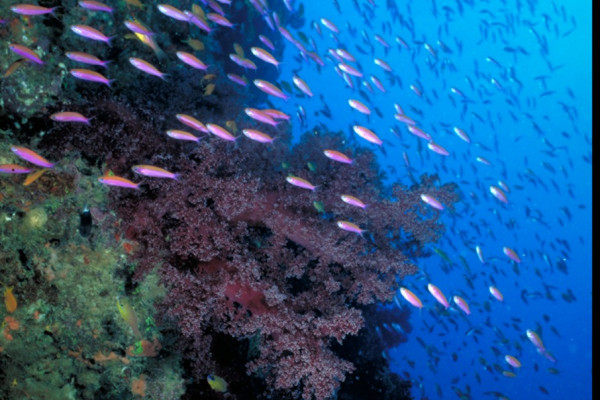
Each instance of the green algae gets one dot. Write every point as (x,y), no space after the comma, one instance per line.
(71,342)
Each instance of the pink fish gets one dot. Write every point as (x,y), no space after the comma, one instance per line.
(337,56)
(215,7)
(479,252)
(350,227)
(154,172)
(242,62)
(259,7)
(191,60)
(381,41)
(483,161)
(31,9)
(535,339)
(260,116)
(192,122)
(512,361)
(461,134)
(86,58)
(182,135)
(504,186)
(377,83)
(264,55)
(269,88)
(416,90)
(25,52)
(118,181)
(436,148)
(146,67)
(367,134)
(432,201)
(257,136)
(457,92)
(346,198)
(539,345)
(411,297)
(496,293)
(266,41)
(286,34)
(415,130)
(333,53)
(237,79)
(438,295)
(199,22)
(357,105)
(13,169)
(406,119)
(219,20)
(316,58)
(401,42)
(31,156)
(338,156)
(173,12)
(303,86)
(379,62)
(69,116)
(90,33)
(462,304)
(300,182)
(345,54)
(496,83)
(350,70)
(498,193)
(95,6)
(348,80)
(430,49)
(137,27)
(220,132)
(510,253)
(89,75)
(330,25)
(276,114)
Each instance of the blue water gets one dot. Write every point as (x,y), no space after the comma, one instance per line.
(524,71)
(534,127)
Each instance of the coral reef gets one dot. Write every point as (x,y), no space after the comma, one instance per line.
(64,337)
(227,271)
(244,254)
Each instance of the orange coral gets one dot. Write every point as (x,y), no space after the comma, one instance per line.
(11,322)
(100,357)
(138,386)
(7,334)
(128,247)
(144,348)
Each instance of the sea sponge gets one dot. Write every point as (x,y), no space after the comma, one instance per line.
(36,218)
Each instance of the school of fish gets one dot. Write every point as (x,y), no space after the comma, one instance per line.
(362,60)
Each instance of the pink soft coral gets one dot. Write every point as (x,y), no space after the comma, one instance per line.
(246,255)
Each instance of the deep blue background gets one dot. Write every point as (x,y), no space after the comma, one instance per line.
(542,154)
